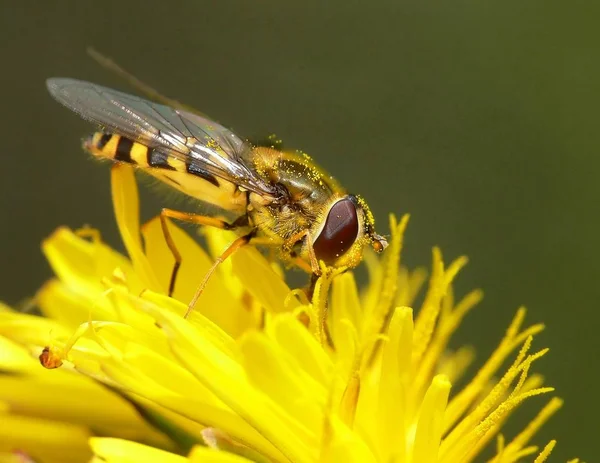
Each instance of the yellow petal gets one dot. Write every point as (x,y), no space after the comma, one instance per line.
(81,264)
(259,278)
(30,330)
(393,413)
(44,440)
(226,380)
(430,423)
(281,377)
(344,446)
(207,455)
(126,203)
(295,340)
(71,308)
(71,398)
(344,316)
(15,358)
(114,450)
(210,331)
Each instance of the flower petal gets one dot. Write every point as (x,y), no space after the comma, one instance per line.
(208,455)
(225,378)
(431,419)
(295,340)
(281,377)
(114,450)
(44,440)
(260,280)
(343,445)
(126,203)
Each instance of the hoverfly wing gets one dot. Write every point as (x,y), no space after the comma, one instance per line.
(190,138)
(212,143)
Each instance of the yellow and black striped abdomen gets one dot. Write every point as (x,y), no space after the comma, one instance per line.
(118,148)
(187,177)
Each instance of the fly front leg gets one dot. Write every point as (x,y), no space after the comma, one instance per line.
(311,267)
(194,219)
(295,239)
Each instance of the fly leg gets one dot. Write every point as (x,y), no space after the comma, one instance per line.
(313,266)
(237,244)
(194,219)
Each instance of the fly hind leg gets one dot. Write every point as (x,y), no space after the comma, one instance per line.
(193,219)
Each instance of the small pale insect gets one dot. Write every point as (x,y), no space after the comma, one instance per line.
(268,196)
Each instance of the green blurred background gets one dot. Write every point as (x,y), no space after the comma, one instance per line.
(478,118)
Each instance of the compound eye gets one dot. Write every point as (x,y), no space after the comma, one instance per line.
(339,233)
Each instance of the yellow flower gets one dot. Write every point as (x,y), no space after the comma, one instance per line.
(257,372)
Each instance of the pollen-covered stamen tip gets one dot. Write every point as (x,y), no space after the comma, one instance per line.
(50,359)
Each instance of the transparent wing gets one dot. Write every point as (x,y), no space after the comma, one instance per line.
(193,139)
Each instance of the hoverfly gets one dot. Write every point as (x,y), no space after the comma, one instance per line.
(273,197)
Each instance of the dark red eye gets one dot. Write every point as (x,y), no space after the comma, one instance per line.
(339,233)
